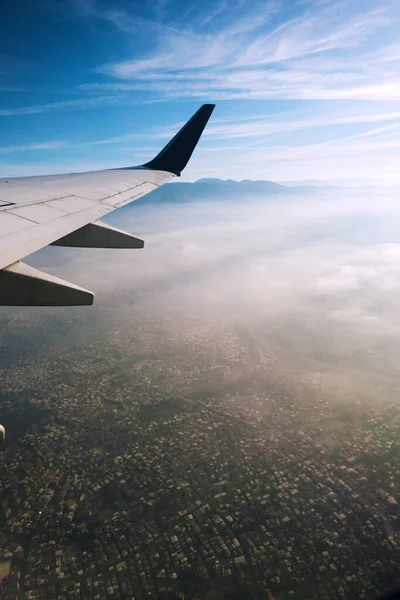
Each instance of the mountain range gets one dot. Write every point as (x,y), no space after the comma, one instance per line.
(220,189)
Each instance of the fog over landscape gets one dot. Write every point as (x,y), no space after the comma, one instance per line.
(224,419)
(318,273)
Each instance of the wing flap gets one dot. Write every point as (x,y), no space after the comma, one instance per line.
(38,213)
(22,285)
(119,199)
(22,236)
(72,204)
(17,244)
(99,235)
(10,223)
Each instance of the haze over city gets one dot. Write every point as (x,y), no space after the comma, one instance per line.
(223,422)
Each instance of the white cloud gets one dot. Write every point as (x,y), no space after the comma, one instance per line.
(325,261)
(76,104)
(31,147)
(323,53)
(312,33)
(266,126)
(255,51)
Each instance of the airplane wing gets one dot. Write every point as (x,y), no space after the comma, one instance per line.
(64,210)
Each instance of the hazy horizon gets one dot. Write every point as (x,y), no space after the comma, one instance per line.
(320,274)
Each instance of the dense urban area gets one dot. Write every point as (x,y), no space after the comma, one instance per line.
(156,458)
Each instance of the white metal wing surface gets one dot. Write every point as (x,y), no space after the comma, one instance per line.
(64,210)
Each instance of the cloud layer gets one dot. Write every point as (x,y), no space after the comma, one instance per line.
(333,259)
(313,50)
(317,279)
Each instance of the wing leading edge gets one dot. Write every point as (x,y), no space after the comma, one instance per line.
(64,210)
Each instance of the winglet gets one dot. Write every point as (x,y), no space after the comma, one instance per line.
(176,154)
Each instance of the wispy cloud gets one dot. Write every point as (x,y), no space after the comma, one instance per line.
(31,147)
(75,104)
(218,10)
(317,154)
(323,53)
(264,126)
(304,56)
(135,18)
(313,33)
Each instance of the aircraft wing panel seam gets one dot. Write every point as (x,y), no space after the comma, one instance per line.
(15,245)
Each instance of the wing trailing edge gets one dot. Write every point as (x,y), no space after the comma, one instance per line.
(99,235)
(22,285)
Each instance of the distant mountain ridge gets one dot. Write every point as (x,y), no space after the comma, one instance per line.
(219,189)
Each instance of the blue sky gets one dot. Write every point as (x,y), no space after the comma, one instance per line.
(304,90)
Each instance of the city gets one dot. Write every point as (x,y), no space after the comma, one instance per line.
(165,461)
